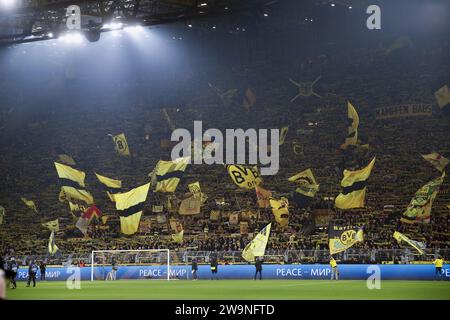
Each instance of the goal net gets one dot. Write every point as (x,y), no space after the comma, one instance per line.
(130,264)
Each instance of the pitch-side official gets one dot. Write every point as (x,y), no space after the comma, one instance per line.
(334,269)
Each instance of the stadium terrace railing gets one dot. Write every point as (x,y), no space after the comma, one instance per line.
(272,256)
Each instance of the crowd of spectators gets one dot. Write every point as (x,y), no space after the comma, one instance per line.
(368,78)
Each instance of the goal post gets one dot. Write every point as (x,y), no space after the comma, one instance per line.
(143,257)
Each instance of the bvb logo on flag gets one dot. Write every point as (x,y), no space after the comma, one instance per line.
(348,237)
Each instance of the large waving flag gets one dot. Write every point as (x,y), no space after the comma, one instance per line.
(72,184)
(340,238)
(437,160)
(307,187)
(419,246)
(353,123)
(353,184)
(112,186)
(168,174)
(130,205)
(419,209)
(257,247)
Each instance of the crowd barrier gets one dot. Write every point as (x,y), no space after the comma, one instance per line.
(274,271)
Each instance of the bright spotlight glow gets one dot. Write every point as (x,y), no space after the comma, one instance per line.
(214,27)
(332,4)
(113,26)
(203,4)
(134,29)
(266,14)
(72,38)
(190,25)
(50,35)
(7,3)
(350,7)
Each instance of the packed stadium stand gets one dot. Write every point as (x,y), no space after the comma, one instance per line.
(368,77)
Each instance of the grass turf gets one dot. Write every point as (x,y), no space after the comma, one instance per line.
(234,290)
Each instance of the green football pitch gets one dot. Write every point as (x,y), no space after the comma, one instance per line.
(234,290)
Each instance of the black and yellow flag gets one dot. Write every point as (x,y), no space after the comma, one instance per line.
(353,123)
(280,209)
(112,186)
(419,209)
(121,144)
(168,174)
(307,187)
(129,206)
(353,185)
(340,238)
(2,214)
(244,177)
(72,184)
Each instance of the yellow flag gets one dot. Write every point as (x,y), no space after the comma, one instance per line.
(419,246)
(30,204)
(66,159)
(280,209)
(52,248)
(244,177)
(167,174)
(442,96)
(112,186)
(257,247)
(340,238)
(129,206)
(352,131)
(354,188)
(72,184)
(194,188)
(121,144)
(52,225)
(437,160)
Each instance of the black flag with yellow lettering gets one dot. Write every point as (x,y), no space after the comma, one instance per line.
(72,184)
(129,206)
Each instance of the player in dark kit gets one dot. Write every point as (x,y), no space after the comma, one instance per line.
(214,268)
(32,271)
(13,267)
(42,268)
(258,266)
(194,269)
